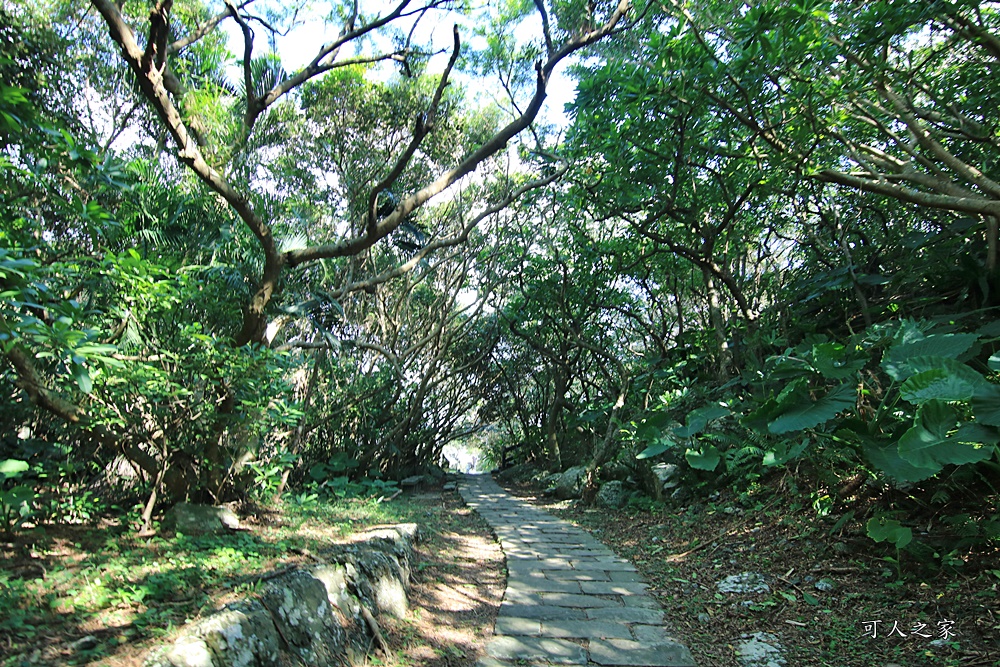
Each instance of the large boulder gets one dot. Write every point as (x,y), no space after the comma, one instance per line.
(612,495)
(240,635)
(191,519)
(570,484)
(300,608)
(668,474)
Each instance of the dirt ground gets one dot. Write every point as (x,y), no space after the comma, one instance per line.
(457,590)
(828,584)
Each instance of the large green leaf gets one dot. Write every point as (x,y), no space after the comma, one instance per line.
(882,529)
(655,449)
(705,459)
(833,361)
(897,361)
(10,468)
(785,368)
(762,416)
(939,384)
(986,404)
(887,459)
(931,444)
(801,412)
(698,419)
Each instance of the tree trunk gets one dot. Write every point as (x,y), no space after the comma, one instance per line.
(604,451)
(552,419)
(725,354)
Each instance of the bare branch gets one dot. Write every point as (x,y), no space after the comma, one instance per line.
(424,125)
(325,59)
(247,57)
(546,30)
(470,163)
(202,30)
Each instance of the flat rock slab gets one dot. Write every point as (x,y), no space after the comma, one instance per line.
(557,651)
(569,599)
(625,652)
(585,630)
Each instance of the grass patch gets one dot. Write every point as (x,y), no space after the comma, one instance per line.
(80,595)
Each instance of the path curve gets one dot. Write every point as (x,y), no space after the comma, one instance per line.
(569,599)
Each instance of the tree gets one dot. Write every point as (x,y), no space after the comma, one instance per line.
(876,96)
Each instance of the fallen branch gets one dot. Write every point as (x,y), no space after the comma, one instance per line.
(392,497)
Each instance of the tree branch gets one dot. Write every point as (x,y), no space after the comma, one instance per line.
(251,100)
(471,162)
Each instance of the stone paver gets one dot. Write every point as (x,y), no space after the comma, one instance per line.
(569,599)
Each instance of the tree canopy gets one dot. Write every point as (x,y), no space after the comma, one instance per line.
(766,239)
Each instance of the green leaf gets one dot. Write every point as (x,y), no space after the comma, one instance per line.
(82,377)
(887,459)
(986,404)
(934,420)
(698,419)
(781,454)
(928,443)
(11,468)
(994,362)
(937,383)
(882,529)
(949,346)
(706,459)
(786,368)
(802,413)
(655,449)
(832,362)
(762,416)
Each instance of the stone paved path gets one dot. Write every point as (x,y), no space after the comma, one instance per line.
(569,599)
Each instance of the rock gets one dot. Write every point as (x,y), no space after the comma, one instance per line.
(743,583)
(191,519)
(570,483)
(551,479)
(84,643)
(240,635)
(704,618)
(761,649)
(612,495)
(667,473)
(615,471)
(300,609)
(411,482)
(309,616)
(824,585)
